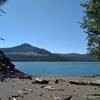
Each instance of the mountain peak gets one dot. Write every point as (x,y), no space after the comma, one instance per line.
(27,49)
(26,45)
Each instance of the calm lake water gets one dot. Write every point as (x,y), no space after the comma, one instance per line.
(59,68)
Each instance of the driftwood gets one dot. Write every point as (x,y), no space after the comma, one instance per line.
(91,83)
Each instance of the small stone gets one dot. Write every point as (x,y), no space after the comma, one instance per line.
(14,99)
(57,81)
(29,90)
(41,94)
(56,98)
(49,88)
(19,91)
(66,97)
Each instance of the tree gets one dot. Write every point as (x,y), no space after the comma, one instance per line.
(2,2)
(91,24)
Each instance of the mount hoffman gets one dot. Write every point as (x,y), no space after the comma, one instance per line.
(27,52)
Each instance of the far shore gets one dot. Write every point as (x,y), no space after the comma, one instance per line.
(50,61)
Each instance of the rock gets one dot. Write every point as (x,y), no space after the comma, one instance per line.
(56,98)
(24,91)
(25,77)
(39,81)
(8,70)
(14,97)
(20,91)
(49,87)
(41,94)
(57,81)
(28,90)
(66,97)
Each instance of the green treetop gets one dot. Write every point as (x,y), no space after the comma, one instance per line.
(91,24)
(2,2)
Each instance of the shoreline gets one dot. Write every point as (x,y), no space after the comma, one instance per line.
(50,61)
(49,88)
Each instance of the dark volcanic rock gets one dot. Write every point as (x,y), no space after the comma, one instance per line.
(66,98)
(41,82)
(57,81)
(8,70)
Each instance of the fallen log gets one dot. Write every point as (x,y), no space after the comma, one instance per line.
(91,83)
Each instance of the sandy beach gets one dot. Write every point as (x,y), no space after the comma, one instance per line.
(53,88)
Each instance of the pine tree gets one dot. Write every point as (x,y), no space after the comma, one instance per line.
(2,2)
(1,11)
(91,24)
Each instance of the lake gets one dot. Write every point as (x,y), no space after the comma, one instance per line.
(59,68)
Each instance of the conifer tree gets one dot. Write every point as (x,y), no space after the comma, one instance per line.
(2,2)
(91,24)
(1,11)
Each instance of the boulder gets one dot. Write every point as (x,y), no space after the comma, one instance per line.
(8,70)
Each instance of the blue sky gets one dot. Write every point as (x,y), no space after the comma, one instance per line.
(50,24)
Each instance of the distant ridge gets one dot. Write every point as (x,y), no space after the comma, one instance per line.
(26,49)
(27,52)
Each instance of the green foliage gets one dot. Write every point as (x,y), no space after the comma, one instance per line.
(1,11)
(2,2)
(91,24)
